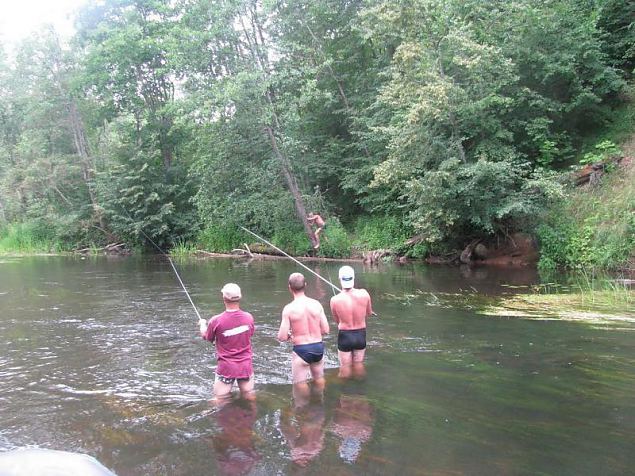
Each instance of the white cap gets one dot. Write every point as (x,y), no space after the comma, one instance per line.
(231,292)
(347,277)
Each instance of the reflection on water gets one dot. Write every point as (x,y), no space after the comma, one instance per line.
(353,424)
(102,356)
(303,427)
(235,443)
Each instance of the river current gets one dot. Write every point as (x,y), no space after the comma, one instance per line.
(101,355)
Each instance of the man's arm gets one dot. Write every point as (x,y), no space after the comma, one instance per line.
(324,323)
(334,311)
(369,306)
(285,326)
(203,327)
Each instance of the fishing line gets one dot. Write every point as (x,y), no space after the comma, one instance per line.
(292,258)
(175,272)
(171,263)
(328,271)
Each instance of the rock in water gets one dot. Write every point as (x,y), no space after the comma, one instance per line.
(42,462)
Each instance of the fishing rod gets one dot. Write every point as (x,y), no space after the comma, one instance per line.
(291,257)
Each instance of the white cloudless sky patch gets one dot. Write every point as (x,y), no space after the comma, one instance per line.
(19,18)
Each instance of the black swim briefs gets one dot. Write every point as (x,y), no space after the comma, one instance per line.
(348,341)
(310,353)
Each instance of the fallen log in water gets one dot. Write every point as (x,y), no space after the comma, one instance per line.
(244,252)
(373,257)
(112,248)
(264,249)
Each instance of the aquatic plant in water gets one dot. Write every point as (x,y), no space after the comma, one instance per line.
(586,298)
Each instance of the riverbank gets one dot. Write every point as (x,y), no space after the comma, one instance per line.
(594,225)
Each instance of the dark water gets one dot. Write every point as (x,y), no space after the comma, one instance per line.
(101,356)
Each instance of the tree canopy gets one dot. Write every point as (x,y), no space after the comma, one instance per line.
(184,119)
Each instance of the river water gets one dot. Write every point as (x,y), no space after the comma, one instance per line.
(101,356)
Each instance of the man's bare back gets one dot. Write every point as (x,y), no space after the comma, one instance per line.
(304,321)
(350,308)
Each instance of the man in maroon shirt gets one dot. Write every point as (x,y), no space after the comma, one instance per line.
(231,331)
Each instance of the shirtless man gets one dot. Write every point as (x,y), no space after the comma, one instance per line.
(304,322)
(319,223)
(350,308)
(231,331)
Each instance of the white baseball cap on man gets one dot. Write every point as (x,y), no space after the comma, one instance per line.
(347,277)
(231,292)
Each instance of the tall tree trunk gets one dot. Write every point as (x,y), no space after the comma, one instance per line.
(165,124)
(293,186)
(81,145)
(256,46)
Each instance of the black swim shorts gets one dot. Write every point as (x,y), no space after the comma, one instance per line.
(347,341)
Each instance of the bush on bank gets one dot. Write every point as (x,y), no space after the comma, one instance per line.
(592,227)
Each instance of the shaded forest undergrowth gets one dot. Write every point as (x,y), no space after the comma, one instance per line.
(431,129)
(593,226)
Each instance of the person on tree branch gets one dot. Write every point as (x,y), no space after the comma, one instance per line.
(319,223)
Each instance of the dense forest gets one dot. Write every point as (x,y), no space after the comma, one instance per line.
(414,125)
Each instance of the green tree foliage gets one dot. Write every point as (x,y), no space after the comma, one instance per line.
(441,120)
(140,197)
(479,94)
(48,174)
(616,21)
(130,73)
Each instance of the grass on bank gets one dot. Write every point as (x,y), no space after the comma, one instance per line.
(182,249)
(595,226)
(26,238)
(369,233)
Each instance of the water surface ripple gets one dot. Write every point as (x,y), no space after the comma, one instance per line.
(102,356)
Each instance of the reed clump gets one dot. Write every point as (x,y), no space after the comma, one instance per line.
(24,238)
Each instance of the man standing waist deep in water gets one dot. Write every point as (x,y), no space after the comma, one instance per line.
(350,308)
(231,331)
(304,321)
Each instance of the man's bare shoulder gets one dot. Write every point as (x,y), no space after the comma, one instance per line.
(311,303)
(362,293)
(338,298)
